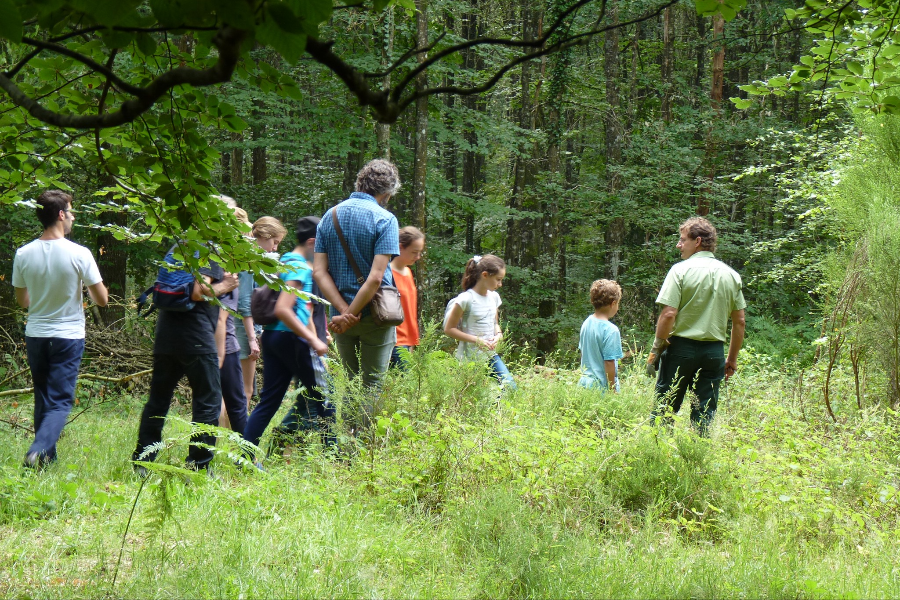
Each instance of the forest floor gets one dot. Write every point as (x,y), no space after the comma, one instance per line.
(551,491)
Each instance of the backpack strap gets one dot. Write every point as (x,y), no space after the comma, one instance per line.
(467,311)
(143,299)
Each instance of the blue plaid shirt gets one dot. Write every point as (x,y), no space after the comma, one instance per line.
(369,230)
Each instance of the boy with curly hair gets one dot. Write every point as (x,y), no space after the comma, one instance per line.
(600,342)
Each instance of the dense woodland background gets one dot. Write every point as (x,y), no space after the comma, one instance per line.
(777,120)
(575,166)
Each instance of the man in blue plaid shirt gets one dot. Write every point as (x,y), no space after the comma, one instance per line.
(373,238)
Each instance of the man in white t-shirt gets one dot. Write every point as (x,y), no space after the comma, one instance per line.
(49,274)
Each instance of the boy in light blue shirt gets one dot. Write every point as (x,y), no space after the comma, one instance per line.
(600,342)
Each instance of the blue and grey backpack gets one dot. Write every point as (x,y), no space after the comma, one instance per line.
(171,290)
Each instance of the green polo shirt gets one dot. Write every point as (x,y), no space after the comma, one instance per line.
(705,291)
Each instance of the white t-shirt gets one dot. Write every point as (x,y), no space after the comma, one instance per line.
(479,319)
(53,272)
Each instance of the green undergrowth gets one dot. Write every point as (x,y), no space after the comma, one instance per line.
(460,491)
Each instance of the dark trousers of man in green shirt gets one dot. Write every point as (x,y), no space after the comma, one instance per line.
(698,366)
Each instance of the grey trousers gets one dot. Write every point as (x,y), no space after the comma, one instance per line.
(365,350)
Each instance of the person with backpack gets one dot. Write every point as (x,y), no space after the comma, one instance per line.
(48,276)
(268,233)
(290,346)
(184,345)
(371,235)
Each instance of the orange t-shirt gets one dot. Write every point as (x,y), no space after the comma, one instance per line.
(408,330)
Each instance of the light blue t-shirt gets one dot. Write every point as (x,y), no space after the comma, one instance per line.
(599,341)
(301,272)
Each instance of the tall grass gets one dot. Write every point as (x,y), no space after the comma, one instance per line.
(551,491)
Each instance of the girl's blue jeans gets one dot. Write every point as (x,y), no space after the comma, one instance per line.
(500,371)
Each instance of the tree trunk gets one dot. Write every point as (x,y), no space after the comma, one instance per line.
(351,169)
(9,310)
(796,51)
(472,161)
(259,165)
(552,245)
(701,51)
(521,232)
(615,231)
(715,101)
(667,66)
(226,168)
(258,154)
(112,260)
(718,64)
(631,110)
(383,130)
(420,165)
(237,161)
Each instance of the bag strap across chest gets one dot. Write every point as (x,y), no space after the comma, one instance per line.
(337,228)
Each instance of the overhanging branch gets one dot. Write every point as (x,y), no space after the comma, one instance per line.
(228,41)
(106,71)
(569,42)
(387,107)
(387,112)
(406,56)
(506,42)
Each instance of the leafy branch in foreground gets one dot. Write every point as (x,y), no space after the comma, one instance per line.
(855,58)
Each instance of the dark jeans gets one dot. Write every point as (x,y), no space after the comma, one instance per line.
(397,359)
(202,371)
(691,365)
(54,366)
(233,392)
(307,415)
(285,356)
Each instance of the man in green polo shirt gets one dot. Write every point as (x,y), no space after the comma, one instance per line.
(697,298)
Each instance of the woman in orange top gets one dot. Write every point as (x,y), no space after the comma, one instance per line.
(412,246)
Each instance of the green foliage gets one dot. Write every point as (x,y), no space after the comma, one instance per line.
(785,265)
(157,173)
(864,284)
(855,55)
(789,344)
(728,9)
(552,491)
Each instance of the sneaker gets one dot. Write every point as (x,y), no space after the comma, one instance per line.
(33,461)
(36,460)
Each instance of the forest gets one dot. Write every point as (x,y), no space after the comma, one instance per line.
(570,138)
